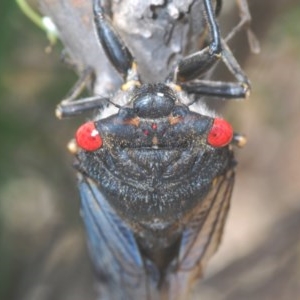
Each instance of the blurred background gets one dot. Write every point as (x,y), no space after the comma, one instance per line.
(42,245)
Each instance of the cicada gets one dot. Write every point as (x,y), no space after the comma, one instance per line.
(156,167)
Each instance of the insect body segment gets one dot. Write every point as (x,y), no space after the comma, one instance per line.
(155,114)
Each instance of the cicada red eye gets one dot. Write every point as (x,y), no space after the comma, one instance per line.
(88,138)
(220,134)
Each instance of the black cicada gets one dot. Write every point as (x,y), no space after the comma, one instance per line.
(156,169)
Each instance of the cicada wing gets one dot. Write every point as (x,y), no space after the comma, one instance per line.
(115,254)
(202,238)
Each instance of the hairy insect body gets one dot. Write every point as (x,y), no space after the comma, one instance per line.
(156,174)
